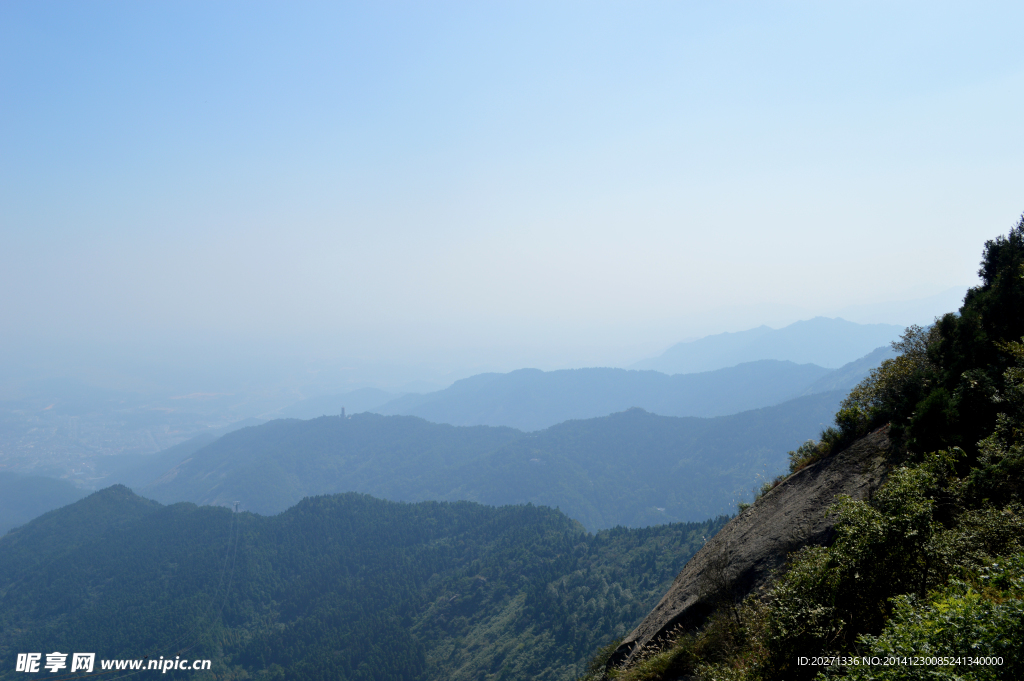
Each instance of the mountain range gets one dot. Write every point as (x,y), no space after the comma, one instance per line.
(823,341)
(632,468)
(530,399)
(712,376)
(439,463)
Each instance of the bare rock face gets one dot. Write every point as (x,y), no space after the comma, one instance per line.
(742,556)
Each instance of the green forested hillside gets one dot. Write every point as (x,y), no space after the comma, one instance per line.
(631,468)
(338,587)
(931,567)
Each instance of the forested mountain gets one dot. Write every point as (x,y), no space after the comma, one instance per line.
(531,399)
(337,588)
(822,341)
(926,572)
(632,468)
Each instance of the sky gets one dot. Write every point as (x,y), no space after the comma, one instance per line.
(419,191)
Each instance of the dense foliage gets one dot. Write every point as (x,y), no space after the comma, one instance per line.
(631,468)
(930,566)
(338,587)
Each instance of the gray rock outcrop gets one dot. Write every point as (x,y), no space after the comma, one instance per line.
(743,555)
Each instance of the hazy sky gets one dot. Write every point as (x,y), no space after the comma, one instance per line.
(492,183)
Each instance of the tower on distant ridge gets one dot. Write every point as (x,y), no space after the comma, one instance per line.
(343,412)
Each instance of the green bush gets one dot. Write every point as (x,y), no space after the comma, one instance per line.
(962,620)
(804,455)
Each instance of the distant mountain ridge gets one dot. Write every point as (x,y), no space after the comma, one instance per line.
(531,400)
(823,341)
(849,375)
(631,468)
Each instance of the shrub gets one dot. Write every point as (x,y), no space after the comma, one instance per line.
(803,456)
(980,620)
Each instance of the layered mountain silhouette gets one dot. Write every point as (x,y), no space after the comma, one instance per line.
(823,341)
(447,464)
(714,376)
(530,399)
(631,468)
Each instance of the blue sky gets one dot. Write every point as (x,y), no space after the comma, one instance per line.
(496,184)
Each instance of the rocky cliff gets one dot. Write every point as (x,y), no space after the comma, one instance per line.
(743,555)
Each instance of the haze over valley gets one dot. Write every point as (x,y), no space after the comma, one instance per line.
(118,437)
